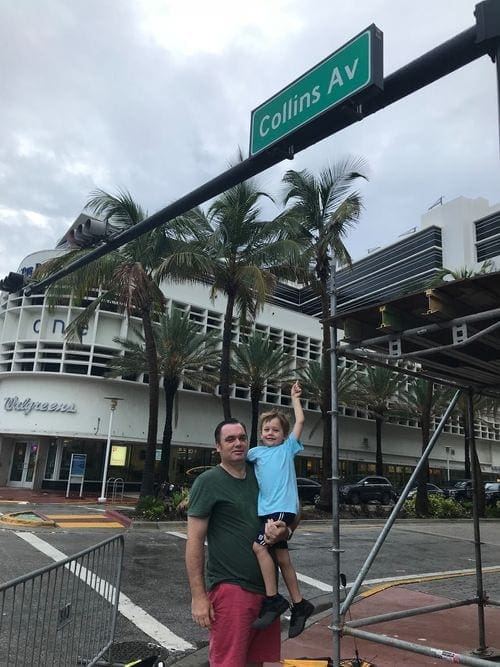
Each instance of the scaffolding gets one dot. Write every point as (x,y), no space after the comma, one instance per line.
(452,334)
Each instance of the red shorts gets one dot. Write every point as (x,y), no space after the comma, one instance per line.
(233,642)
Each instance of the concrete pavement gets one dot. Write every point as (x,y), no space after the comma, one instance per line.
(454,632)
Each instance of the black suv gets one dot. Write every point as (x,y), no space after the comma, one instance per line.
(492,493)
(309,490)
(366,489)
(462,490)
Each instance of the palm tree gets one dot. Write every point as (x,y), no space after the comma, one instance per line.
(185,354)
(445,275)
(240,256)
(484,408)
(312,380)
(424,400)
(257,362)
(378,389)
(126,277)
(323,209)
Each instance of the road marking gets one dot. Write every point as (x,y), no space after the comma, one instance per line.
(144,621)
(84,521)
(386,582)
(382,584)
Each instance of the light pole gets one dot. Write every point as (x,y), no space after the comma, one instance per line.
(114,402)
(449,451)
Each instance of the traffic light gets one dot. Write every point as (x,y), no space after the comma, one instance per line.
(89,232)
(14,282)
(86,232)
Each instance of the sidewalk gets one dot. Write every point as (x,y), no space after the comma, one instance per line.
(15,495)
(453,631)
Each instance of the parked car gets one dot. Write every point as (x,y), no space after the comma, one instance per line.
(432,490)
(462,490)
(309,490)
(366,489)
(492,492)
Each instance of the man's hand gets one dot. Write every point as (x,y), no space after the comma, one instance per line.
(202,611)
(275,531)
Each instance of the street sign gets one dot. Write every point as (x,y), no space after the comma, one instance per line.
(351,69)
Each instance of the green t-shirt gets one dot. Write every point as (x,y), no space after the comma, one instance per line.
(231,505)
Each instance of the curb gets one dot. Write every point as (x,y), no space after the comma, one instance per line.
(119,517)
(305,523)
(12,520)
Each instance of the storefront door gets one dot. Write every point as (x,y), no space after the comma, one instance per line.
(23,464)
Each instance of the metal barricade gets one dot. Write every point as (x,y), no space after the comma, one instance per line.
(64,614)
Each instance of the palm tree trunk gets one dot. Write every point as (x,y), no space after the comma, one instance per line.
(476,474)
(225,363)
(379,462)
(147,486)
(170,392)
(422,497)
(467,464)
(254,403)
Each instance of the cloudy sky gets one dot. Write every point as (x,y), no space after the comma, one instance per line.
(155,96)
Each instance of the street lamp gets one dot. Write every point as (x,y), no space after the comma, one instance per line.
(114,402)
(449,451)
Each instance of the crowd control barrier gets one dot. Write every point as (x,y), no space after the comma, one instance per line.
(63,614)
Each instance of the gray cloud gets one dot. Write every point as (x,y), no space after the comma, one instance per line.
(91,98)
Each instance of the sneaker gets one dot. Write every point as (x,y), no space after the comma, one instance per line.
(300,613)
(271,609)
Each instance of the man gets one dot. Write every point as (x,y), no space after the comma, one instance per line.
(223,510)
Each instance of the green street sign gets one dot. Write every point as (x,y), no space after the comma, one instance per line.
(351,69)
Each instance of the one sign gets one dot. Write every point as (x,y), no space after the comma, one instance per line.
(76,472)
(118,455)
(78,462)
(346,72)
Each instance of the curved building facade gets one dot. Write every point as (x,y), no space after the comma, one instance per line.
(55,400)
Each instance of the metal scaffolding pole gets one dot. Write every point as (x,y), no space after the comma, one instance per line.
(475,519)
(335,468)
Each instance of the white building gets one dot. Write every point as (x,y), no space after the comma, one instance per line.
(54,398)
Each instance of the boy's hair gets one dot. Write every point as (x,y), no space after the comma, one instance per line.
(275,414)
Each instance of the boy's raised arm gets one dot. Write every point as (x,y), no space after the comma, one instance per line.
(296,393)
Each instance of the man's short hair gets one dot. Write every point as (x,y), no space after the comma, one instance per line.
(223,423)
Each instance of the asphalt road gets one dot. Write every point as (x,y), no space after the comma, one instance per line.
(154,577)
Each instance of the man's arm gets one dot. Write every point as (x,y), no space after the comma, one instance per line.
(295,394)
(201,608)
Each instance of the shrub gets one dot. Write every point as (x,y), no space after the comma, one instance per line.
(439,508)
(178,503)
(493,512)
(151,508)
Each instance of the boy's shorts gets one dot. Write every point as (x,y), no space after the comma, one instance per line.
(287,517)
(233,641)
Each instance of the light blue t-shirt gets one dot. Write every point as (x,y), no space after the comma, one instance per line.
(275,473)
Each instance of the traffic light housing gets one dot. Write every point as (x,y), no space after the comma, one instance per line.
(14,282)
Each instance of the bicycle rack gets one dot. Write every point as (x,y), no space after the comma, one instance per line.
(117,487)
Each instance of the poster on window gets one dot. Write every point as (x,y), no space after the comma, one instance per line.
(118,455)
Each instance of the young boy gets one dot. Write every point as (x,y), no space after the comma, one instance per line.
(279,500)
